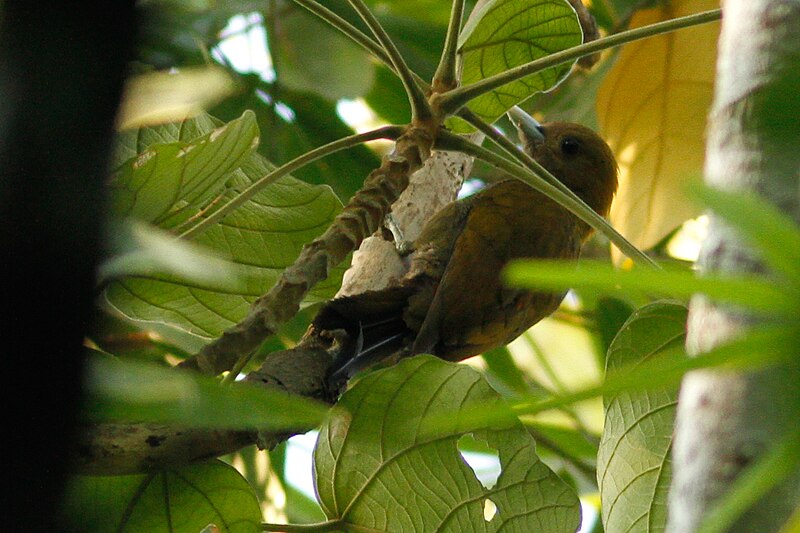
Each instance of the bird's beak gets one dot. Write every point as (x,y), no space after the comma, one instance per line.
(527,126)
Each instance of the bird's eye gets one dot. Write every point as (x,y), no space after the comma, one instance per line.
(570,145)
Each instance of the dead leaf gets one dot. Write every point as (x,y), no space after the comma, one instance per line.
(652,110)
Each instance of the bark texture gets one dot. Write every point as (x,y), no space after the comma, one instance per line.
(728,419)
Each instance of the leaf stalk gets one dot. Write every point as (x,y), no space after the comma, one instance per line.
(445,77)
(420,110)
(450,141)
(451,101)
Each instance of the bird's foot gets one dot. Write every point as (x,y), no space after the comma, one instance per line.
(403,246)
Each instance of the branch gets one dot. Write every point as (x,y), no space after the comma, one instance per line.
(359,219)
(127,448)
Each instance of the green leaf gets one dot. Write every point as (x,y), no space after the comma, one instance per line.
(176,500)
(257,241)
(753,292)
(611,314)
(772,232)
(387,457)
(124,391)
(130,143)
(297,40)
(510,33)
(633,463)
(503,372)
(167,183)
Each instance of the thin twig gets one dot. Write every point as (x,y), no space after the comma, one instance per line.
(453,100)
(420,110)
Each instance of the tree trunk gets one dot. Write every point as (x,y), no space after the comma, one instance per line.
(728,419)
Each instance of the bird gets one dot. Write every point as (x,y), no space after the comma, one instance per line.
(452,303)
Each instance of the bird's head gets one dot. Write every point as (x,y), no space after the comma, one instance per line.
(574,154)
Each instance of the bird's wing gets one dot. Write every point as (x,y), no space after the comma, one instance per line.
(471,311)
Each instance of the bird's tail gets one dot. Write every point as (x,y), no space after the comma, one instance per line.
(374,327)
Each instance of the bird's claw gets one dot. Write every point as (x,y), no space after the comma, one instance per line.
(403,246)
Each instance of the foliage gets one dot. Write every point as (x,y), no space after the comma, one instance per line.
(653,103)
(397,434)
(185,500)
(378,464)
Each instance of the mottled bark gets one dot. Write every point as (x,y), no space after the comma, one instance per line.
(728,419)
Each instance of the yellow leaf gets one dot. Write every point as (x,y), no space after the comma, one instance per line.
(652,109)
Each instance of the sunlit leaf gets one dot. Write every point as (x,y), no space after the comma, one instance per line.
(387,457)
(633,463)
(652,110)
(159,97)
(119,391)
(510,33)
(184,500)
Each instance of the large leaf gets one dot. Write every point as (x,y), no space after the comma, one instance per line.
(510,33)
(633,463)
(387,457)
(164,183)
(258,240)
(175,501)
(652,110)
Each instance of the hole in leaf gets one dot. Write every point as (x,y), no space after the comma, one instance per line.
(481,458)
(489,510)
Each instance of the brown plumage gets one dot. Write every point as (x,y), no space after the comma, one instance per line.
(451,303)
